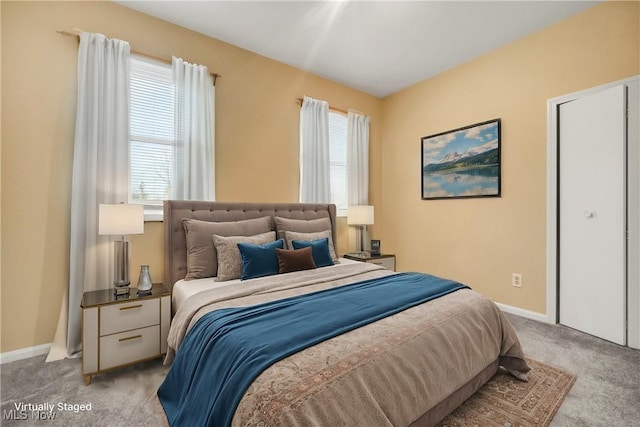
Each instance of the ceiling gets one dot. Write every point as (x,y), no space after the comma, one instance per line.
(378,47)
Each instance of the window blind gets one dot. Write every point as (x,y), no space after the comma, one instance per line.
(151,148)
(338,159)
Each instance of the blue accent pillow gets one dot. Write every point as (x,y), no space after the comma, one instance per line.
(319,249)
(259,260)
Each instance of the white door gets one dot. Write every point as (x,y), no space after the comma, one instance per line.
(592,219)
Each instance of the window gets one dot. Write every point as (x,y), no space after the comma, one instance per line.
(338,160)
(151,147)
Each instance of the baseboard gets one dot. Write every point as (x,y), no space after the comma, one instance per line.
(523,313)
(24,353)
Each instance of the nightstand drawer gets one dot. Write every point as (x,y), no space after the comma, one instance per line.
(130,346)
(116,318)
(388,263)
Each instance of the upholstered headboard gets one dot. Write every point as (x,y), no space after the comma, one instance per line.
(175,246)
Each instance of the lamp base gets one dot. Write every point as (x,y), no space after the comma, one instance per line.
(121,263)
(362,245)
(358,255)
(122,290)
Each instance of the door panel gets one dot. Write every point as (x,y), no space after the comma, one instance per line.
(592,219)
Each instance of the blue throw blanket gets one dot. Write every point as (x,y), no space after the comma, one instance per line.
(228,348)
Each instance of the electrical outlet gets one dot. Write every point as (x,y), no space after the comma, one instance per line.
(516,280)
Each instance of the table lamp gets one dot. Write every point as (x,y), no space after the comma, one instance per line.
(361,216)
(120,219)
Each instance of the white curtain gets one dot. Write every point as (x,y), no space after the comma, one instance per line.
(100,175)
(358,158)
(358,164)
(314,151)
(195,134)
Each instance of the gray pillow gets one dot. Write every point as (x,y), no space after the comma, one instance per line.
(229,258)
(301,225)
(201,255)
(289,236)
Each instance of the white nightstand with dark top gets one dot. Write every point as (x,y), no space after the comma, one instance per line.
(118,331)
(387,261)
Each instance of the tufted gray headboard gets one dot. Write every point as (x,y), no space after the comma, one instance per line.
(175,246)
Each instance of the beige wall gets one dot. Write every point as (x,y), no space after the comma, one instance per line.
(256,124)
(482,241)
(479,241)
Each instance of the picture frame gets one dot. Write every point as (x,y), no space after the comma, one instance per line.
(375,247)
(462,163)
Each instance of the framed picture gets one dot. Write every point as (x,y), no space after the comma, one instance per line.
(462,163)
(375,247)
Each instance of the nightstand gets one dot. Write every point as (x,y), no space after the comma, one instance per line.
(387,261)
(123,330)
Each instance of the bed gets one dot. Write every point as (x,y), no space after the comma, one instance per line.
(410,366)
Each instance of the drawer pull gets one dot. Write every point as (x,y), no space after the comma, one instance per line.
(130,307)
(130,338)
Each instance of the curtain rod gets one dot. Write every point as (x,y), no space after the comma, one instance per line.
(332,108)
(166,61)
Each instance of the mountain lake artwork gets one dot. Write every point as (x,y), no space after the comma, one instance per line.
(462,162)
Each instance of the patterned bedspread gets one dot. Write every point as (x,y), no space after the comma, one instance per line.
(389,372)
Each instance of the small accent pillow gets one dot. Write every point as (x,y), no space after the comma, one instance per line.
(259,260)
(295,260)
(290,236)
(229,259)
(202,259)
(319,249)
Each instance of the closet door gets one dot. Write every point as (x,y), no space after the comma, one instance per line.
(592,222)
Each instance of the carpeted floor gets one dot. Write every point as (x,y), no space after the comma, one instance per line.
(606,392)
(126,397)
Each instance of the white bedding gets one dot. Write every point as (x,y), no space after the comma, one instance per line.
(183,289)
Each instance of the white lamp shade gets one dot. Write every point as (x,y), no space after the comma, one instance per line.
(120,219)
(360,215)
